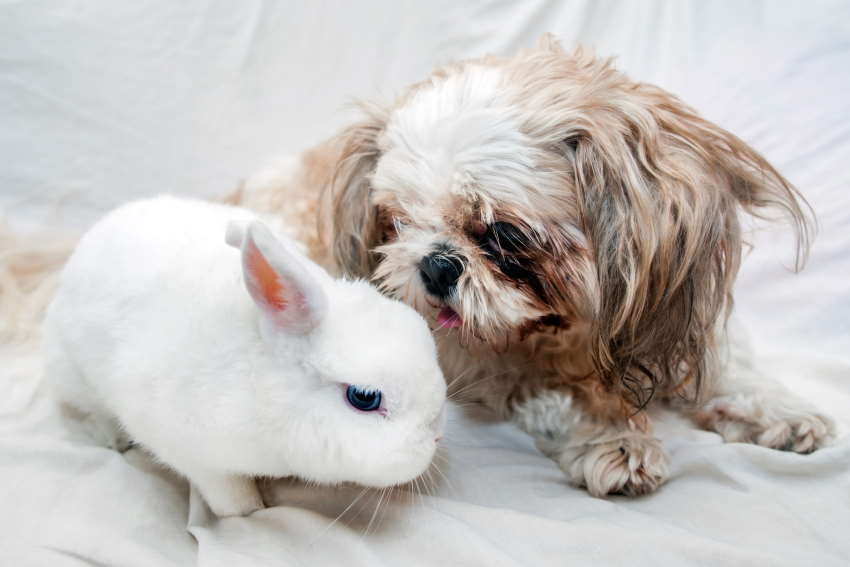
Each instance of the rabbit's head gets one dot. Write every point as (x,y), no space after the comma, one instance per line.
(364,394)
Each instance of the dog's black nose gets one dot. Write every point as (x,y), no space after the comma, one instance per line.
(440,273)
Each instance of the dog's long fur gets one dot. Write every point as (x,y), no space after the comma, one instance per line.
(612,284)
(646,195)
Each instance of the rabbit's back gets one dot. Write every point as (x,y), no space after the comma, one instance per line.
(131,250)
(149,305)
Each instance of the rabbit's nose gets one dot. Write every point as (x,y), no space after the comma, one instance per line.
(438,423)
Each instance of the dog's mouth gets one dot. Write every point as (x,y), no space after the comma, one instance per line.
(448,318)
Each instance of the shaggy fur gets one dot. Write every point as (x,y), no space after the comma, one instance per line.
(596,222)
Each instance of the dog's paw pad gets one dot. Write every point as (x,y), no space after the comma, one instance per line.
(785,428)
(803,434)
(631,466)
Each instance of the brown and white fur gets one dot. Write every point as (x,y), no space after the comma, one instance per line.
(606,284)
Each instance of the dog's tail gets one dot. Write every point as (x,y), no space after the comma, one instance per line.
(29,271)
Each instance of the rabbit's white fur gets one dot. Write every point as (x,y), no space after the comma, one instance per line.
(152,328)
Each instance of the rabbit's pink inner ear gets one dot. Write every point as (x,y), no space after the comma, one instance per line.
(264,283)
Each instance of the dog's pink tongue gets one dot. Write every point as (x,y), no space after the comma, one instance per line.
(447,318)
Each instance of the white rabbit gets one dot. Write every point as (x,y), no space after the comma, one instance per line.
(153,334)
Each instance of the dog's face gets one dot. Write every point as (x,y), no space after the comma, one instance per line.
(480,225)
(503,196)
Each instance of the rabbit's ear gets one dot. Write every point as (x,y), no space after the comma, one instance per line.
(278,280)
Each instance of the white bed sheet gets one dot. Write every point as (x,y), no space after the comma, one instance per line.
(104,102)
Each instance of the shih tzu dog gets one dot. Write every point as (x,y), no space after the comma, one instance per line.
(573,236)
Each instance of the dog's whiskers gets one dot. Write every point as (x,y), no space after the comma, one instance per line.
(467,387)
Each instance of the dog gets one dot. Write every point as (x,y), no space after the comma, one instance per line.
(573,237)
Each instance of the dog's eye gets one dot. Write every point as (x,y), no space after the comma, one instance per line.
(501,237)
(510,249)
(506,245)
(398,224)
(389,224)
(513,268)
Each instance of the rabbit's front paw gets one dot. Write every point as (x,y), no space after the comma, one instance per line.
(229,495)
(106,431)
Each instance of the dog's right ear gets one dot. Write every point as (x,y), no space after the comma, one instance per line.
(352,229)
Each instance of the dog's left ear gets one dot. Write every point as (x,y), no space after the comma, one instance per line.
(660,191)
(351,218)
(756,186)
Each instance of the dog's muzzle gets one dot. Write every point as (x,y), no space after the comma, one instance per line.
(440,272)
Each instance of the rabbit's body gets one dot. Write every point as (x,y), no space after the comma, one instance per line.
(152,327)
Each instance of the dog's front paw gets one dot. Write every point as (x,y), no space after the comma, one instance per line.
(777,424)
(632,465)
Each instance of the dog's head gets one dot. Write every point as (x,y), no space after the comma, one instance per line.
(503,195)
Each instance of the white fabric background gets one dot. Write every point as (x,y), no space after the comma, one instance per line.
(102,102)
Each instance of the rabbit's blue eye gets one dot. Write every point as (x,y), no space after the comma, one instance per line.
(363,400)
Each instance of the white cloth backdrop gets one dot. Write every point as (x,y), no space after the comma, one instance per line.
(102,102)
